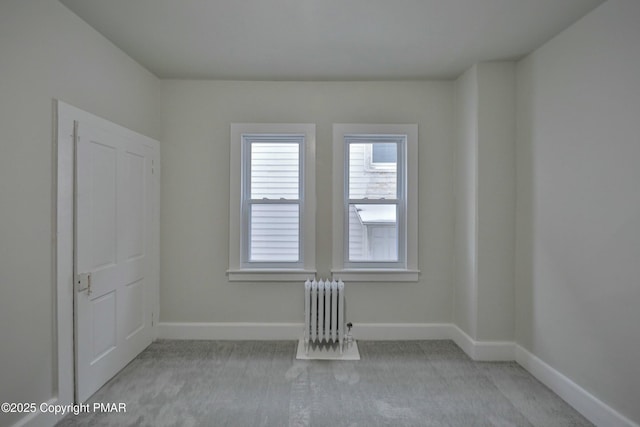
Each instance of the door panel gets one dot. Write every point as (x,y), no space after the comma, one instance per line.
(133,219)
(102,208)
(133,310)
(114,196)
(103,314)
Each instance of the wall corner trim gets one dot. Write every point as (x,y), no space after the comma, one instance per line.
(483,350)
(584,402)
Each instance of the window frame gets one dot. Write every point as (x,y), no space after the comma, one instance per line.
(406,268)
(240,267)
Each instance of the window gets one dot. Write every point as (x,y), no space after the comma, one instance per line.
(375,202)
(271,199)
(272,211)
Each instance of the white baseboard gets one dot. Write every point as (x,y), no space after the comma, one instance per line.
(40,419)
(292,331)
(401,331)
(229,331)
(483,350)
(584,402)
(477,350)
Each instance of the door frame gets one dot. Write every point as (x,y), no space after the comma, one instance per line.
(64,212)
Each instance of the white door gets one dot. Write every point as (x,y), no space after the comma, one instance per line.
(113,253)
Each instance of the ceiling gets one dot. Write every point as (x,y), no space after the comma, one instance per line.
(325,39)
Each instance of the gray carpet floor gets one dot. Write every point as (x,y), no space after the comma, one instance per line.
(260,383)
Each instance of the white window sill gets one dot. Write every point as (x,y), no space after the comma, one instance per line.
(270,275)
(376,275)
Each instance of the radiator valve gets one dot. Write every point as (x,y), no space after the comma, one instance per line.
(349,338)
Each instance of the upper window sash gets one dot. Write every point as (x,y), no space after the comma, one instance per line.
(248,142)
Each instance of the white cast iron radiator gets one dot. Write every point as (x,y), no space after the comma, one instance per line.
(324,313)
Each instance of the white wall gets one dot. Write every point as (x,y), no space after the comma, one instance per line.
(47,52)
(496,200)
(195,196)
(485,201)
(466,194)
(578,241)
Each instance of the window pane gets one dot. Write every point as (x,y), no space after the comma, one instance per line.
(365,179)
(274,232)
(384,153)
(373,233)
(275,170)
